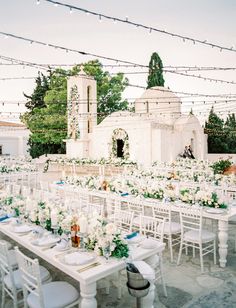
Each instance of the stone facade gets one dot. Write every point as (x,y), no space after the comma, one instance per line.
(156,131)
(13,139)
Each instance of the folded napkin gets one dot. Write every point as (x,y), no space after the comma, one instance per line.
(129,236)
(60,182)
(78,258)
(2,218)
(145,270)
(63,244)
(22,228)
(44,241)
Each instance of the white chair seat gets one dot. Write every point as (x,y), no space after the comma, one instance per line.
(193,236)
(171,227)
(57,294)
(44,274)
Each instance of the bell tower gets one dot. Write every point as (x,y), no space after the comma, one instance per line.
(81,113)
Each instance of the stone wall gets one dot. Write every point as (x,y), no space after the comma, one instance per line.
(214,157)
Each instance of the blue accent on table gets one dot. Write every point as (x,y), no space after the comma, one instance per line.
(129,236)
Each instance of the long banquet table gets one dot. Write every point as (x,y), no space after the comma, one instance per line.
(222,219)
(87,279)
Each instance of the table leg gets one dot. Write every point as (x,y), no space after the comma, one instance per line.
(223,238)
(88,293)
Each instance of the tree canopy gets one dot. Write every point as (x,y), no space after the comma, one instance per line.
(221,134)
(47,115)
(155,76)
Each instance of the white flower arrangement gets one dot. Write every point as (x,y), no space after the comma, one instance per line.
(104,234)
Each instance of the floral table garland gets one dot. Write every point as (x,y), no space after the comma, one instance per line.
(100,234)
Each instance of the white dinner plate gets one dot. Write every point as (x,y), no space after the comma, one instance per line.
(22,229)
(78,258)
(45,242)
(215,211)
(59,247)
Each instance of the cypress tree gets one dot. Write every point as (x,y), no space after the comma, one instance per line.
(155,77)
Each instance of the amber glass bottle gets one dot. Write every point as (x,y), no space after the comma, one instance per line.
(75,239)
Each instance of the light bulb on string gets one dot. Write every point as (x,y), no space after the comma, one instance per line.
(114,21)
(150,31)
(71,11)
(38,2)
(100,18)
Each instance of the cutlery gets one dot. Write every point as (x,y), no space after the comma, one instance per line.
(88,267)
(48,247)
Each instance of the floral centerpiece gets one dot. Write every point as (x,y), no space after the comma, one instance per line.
(210,199)
(102,234)
(186,195)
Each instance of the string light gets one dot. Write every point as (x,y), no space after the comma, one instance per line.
(103,57)
(127,21)
(84,53)
(38,2)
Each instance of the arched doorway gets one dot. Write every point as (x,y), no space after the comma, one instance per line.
(119,145)
(120,148)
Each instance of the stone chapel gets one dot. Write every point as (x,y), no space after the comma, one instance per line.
(156,131)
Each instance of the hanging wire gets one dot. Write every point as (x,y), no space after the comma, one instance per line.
(142,26)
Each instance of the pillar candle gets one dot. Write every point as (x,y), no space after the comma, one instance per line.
(54,219)
(83,223)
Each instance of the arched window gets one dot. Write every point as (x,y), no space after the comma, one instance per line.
(88,107)
(88,98)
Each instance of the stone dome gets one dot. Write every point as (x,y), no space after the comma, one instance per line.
(158,100)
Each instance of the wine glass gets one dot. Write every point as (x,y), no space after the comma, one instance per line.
(106,251)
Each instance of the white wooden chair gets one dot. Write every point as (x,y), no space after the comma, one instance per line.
(124,220)
(37,194)
(193,235)
(55,294)
(11,280)
(113,205)
(135,207)
(172,229)
(154,228)
(16,189)
(25,191)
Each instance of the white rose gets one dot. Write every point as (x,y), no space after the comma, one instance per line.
(110,228)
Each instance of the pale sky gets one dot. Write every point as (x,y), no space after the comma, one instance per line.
(211,20)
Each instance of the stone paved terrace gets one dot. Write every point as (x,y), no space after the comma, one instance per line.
(186,286)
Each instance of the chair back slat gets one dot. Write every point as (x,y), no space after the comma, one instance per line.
(152,226)
(191,219)
(124,220)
